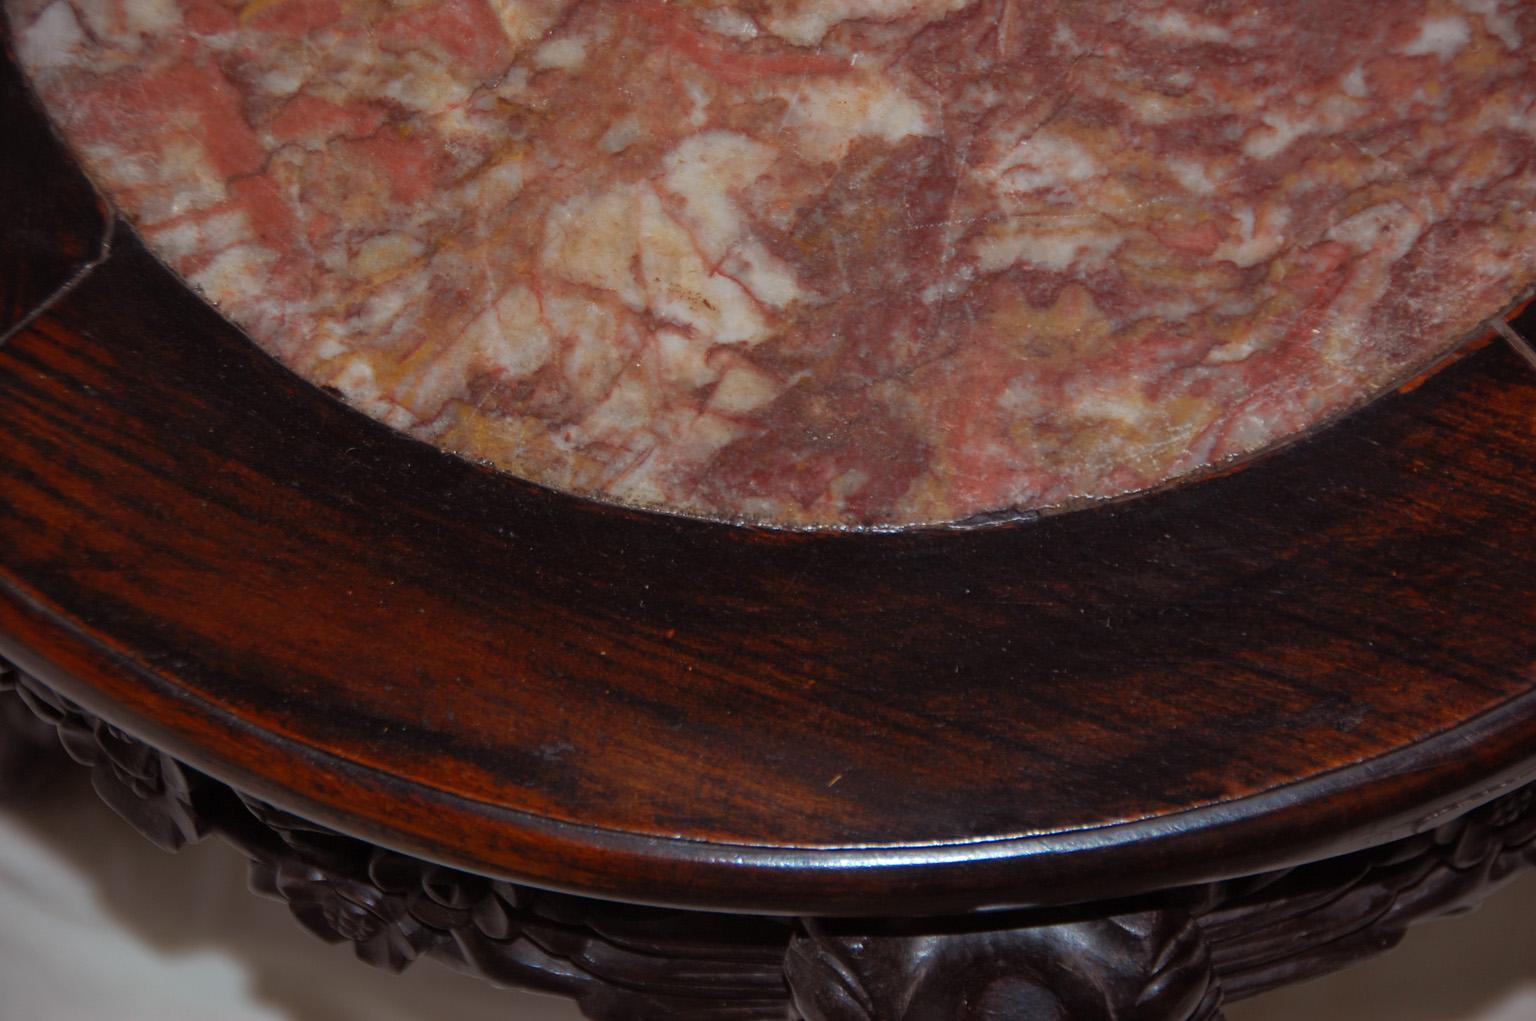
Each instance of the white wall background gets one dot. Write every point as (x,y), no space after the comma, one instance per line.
(97,925)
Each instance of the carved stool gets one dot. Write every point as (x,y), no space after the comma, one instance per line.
(1131,762)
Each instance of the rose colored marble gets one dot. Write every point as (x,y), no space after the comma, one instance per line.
(823,262)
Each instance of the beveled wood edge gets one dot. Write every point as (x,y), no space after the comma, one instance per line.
(1174,957)
(1371,802)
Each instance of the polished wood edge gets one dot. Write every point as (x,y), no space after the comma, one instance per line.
(1174,956)
(1411,790)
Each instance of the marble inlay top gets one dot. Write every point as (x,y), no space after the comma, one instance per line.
(823,262)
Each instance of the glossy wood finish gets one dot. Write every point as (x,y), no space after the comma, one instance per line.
(1175,956)
(1315,654)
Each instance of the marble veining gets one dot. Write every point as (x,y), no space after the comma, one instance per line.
(822,262)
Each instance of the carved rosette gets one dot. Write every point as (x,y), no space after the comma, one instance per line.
(1176,958)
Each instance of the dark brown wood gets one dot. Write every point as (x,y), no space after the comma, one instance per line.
(1149,966)
(616,961)
(1328,650)
(1174,956)
(1180,957)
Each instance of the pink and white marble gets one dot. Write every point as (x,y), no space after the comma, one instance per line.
(823,262)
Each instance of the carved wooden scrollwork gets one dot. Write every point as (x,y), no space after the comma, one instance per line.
(152,791)
(616,961)
(1175,957)
(1147,966)
(1286,926)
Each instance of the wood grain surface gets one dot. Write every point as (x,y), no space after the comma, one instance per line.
(1320,652)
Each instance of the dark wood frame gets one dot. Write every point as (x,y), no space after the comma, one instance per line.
(1328,652)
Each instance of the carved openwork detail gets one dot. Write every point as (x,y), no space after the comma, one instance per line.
(152,791)
(617,961)
(1282,927)
(1148,966)
(1175,957)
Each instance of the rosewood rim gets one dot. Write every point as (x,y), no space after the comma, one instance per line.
(1402,791)
(1410,790)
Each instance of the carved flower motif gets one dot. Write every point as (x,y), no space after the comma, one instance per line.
(437,897)
(350,911)
(340,908)
(152,791)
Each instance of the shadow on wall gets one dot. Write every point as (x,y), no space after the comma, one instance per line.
(100,924)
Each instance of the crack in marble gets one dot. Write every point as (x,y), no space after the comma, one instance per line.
(78,277)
